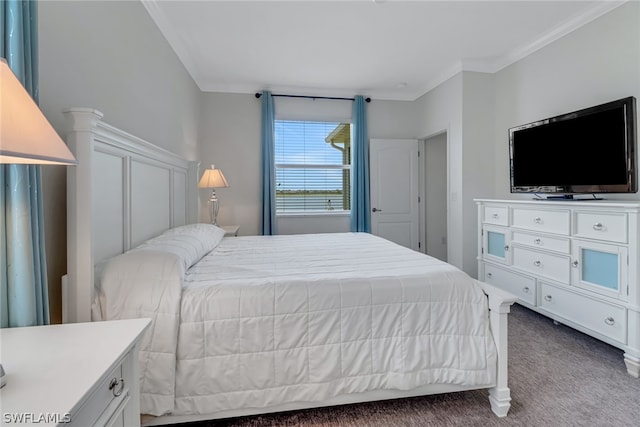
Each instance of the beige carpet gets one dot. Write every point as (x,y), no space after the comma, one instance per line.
(558,377)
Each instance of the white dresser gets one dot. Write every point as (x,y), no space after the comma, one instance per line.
(78,374)
(574,261)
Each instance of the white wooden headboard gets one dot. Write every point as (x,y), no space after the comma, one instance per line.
(124,191)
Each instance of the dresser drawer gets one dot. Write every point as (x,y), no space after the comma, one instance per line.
(547,221)
(541,241)
(523,287)
(608,226)
(547,264)
(103,402)
(498,215)
(601,317)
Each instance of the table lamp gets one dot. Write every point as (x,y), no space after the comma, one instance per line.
(213,178)
(26,136)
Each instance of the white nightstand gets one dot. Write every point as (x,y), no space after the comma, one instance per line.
(77,374)
(230,230)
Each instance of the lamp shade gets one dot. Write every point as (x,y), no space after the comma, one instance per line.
(26,136)
(213,178)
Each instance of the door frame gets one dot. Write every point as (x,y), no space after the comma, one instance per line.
(422,219)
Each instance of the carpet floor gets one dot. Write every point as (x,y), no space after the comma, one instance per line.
(557,376)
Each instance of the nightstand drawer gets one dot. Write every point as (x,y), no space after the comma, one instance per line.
(553,266)
(608,226)
(551,243)
(523,287)
(103,403)
(230,230)
(547,221)
(601,317)
(498,215)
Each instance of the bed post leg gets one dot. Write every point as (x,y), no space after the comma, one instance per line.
(500,395)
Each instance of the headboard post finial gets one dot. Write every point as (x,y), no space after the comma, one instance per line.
(82,119)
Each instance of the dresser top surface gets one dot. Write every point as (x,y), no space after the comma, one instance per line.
(576,203)
(51,369)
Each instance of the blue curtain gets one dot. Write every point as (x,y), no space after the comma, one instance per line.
(360,212)
(268,212)
(24,297)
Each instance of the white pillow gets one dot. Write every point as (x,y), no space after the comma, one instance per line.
(189,242)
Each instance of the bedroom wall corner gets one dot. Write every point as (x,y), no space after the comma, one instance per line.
(437,111)
(596,63)
(132,75)
(478,156)
(230,129)
(464,108)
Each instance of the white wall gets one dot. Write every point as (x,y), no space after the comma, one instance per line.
(438,111)
(230,132)
(435,183)
(109,56)
(230,129)
(597,63)
(478,157)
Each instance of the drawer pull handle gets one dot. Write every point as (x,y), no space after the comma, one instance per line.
(537,242)
(526,289)
(113,386)
(494,216)
(537,220)
(609,321)
(598,226)
(575,263)
(548,297)
(489,274)
(537,263)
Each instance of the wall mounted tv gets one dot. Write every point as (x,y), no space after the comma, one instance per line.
(584,152)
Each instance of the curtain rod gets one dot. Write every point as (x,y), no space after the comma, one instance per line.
(258,95)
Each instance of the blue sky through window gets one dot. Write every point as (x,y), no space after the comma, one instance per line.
(303,143)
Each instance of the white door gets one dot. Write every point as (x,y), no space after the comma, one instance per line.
(394,176)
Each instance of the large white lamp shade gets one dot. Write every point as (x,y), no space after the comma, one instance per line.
(26,135)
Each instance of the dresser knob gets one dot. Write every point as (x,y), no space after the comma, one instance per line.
(113,386)
(537,220)
(609,321)
(598,226)
(575,263)
(525,289)
(548,297)
(489,275)
(537,263)
(506,248)
(494,216)
(537,242)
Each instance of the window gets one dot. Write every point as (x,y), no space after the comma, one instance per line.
(313,166)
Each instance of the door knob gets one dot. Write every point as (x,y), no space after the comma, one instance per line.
(376,210)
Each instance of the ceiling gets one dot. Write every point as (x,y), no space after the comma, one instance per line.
(383,49)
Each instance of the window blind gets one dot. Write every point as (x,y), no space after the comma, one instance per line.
(313,166)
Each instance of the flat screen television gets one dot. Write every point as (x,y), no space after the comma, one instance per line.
(584,152)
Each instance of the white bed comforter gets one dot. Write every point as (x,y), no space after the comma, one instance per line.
(263,321)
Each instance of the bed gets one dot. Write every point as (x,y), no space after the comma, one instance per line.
(255,324)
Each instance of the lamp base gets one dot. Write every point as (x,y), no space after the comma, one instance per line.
(215,206)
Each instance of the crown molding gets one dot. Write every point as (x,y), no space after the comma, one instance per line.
(567,27)
(174,39)
(484,66)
